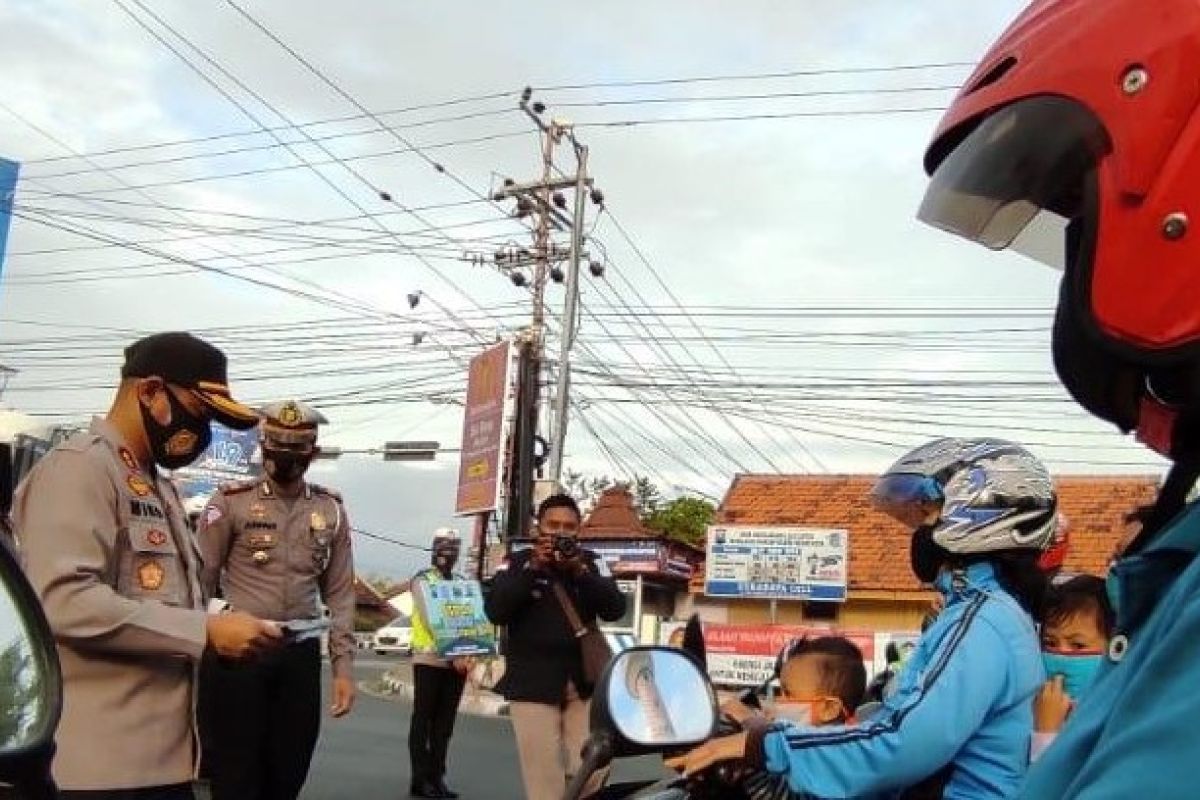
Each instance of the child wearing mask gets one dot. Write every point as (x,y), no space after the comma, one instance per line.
(1076,625)
(822,681)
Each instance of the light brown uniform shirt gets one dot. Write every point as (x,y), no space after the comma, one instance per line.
(106,546)
(278,557)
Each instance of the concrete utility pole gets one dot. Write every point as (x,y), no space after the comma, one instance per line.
(545,202)
(569,319)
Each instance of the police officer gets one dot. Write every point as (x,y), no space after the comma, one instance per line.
(437,683)
(106,546)
(276,547)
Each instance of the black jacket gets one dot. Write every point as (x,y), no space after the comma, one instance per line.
(542,652)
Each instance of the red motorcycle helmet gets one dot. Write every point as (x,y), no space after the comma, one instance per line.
(1077,140)
(1053,557)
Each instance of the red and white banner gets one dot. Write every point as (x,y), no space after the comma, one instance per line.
(744,655)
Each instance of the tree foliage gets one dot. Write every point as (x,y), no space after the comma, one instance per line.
(685,519)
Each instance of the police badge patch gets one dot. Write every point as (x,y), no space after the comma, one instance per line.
(138,485)
(151,575)
(182,443)
(290,415)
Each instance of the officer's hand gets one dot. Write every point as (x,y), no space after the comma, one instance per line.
(1051,707)
(343,697)
(236,634)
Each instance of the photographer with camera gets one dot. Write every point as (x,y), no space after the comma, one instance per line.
(544,676)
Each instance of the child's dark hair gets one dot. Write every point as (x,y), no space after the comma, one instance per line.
(1081,595)
(840,665)
(559,501)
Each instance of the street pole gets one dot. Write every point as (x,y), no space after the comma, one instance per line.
(569,318)
(520,498)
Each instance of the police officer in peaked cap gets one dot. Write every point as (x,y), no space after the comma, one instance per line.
(277,546)
(106,546)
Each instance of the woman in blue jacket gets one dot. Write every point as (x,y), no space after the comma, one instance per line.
(959,723)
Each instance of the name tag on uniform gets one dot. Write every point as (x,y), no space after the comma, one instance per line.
(260,525)
(143,508)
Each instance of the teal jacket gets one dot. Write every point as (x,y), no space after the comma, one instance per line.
(964,702)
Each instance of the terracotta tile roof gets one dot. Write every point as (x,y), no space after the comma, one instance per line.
(1095,507)
(366,596)
(614,517)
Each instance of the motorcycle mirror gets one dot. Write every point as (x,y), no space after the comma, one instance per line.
(649,700)
(655,699)
(30,685)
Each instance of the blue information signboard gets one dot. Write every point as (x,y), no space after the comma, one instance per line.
(776,563)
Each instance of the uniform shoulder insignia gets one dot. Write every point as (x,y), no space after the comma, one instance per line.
(237,487)
(334,493)
(81,442)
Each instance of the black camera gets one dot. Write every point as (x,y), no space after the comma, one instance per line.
(567,547)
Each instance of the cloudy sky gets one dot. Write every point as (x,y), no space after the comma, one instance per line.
(769,301)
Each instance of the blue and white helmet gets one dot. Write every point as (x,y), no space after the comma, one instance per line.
(979,495)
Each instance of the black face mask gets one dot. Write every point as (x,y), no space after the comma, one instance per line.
(180,441)
(286,467)
(926,555)
(445,560)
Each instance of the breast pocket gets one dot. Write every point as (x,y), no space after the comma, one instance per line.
(258,544)
(152,568)
(320,544)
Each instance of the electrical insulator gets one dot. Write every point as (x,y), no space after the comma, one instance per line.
(556,275)
(597,269)
(518,279)
(560,200)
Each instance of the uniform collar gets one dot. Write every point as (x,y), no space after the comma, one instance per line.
(112,437)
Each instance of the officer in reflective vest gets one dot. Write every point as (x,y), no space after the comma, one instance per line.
(437,683)
(277,546)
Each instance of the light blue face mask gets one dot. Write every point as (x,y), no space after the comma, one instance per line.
(1078,670)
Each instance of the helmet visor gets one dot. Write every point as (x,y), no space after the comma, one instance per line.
(912,499)
(1016,180)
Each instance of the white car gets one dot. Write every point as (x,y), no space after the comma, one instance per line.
(395,637)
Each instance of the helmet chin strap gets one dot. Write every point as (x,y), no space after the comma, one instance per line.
(1171,431)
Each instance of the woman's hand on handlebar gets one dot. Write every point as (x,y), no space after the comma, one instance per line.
(714,751)
(738,711)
